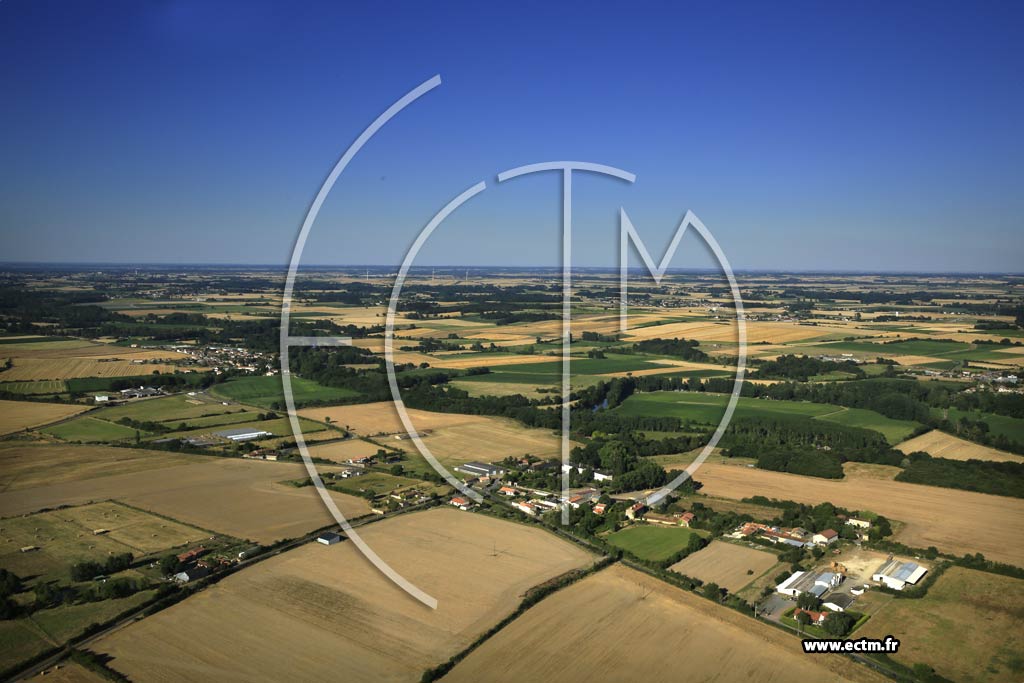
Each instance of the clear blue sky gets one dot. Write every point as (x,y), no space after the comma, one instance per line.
(877,136)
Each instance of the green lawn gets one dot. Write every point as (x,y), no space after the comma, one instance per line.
(91,430)
(266,391)
(653,542)
(166,409)
(894,431)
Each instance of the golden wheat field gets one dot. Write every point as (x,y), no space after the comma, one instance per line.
(26,465)
(323,612)
(726,564)
(942,445)
(620,620)
(954,521)
(240,498)
(18,415)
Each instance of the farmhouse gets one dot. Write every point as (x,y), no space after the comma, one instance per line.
(826,537)
(816,583)
(600,508)
(816,617)
(636,511)
(461,503)
(328,538)
(508,491)
(480,469)
(897,575)
(243,434)
(859,523)
(686,519)
(528,508)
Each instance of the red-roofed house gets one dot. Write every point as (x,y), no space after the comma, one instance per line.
(461,503)
(600,508)
(686,518)
(825,537)
(816,617)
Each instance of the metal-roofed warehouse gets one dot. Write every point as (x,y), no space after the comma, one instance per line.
(897,575)
(243,434)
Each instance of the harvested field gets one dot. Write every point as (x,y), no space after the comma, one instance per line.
(624,621)
(67,535)
(322,612)
(26,466)
(340,451)
(69,672)
(451,437)
(18,415)
(951,520)
(942,445)
(26,369)
(771,332)
(726,564)
(240,498)
(980,612)
(867,470)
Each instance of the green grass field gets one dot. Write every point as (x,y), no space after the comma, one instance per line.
(709,408)
(1010,427)
(91,430)
(266,391)
(166,409)
(653,542)
(894,431)
(281,427)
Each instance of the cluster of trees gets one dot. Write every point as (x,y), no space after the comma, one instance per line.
(805,461)
(984,476)
(630,471)
(677,348)
(88,569)
(802,368)
(9,585)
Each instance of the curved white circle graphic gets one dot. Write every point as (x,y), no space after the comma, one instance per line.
(567,168)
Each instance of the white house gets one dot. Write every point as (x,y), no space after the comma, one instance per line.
(825,537)
(859,523)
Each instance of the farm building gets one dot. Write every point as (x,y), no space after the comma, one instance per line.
(826,537)
(600,508)
(686,519)
(480,469)
(329,538)
(190,555)
(191,574)
(897,575)
(816,583)
(658,518)
(508,491)
(837,602)
(243,434)
(859,523)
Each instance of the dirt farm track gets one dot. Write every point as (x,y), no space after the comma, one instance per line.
(951,520)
